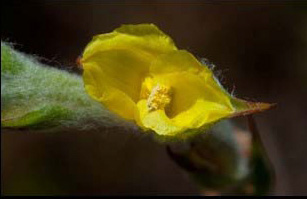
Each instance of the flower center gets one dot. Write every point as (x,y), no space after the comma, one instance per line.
(159,97)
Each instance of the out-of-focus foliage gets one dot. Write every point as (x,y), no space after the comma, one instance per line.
(220,163)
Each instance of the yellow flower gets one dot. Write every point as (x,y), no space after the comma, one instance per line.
(137,72)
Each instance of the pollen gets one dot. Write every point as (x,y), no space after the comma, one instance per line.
(159,98)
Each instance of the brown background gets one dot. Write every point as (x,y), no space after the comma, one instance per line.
(260,47)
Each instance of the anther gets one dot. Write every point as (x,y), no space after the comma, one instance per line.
(159,98)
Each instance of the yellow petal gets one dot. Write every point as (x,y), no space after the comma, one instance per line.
(187,88)
(188,79)
(192,106)
(196,99)
(115,64)
(120,69)
(97,85)
(137,72)
(201,113)
(176,62)
(156,120)
(144,38)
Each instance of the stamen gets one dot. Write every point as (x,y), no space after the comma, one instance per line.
(159,98)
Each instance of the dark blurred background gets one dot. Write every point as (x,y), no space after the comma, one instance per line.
(260,47)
